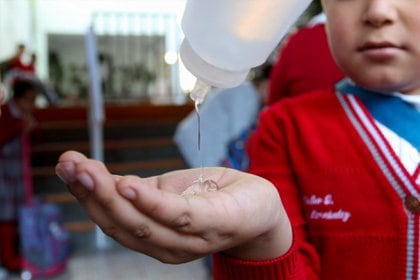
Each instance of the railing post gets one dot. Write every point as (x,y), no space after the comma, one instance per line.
(96,114)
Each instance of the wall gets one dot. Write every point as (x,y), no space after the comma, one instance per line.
(14,26)
(30,21)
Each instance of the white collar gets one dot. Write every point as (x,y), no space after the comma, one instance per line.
(413,99)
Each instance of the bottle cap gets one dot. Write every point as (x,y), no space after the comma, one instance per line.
(208,73)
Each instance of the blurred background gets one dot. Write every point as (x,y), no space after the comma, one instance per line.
(137,43)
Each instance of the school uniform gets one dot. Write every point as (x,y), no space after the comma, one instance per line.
(15,182)
(346,164)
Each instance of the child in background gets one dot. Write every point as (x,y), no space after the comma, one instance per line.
(300,69)
(340,198)
(3,273)
(16,62)
(16,122)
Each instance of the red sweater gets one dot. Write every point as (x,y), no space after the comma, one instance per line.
(341,191)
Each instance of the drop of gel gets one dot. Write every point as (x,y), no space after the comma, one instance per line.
(201,186)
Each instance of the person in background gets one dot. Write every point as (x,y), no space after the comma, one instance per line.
(224,114)
(31,66)
(3,272)
(304,63)
(236,155)
(17,70)
(335,186)
(16,123)
(15,62)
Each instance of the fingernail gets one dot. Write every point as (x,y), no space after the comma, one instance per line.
(128,193)
(65,171)
(85,180)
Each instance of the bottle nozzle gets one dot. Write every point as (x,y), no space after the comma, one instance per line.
(199,92)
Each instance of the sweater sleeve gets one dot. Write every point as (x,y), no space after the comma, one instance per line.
(269,158)
(284,267)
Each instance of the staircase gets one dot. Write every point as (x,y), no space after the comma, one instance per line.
(137,141)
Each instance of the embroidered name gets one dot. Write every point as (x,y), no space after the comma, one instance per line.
(319,200)
(328,214)
(340,214)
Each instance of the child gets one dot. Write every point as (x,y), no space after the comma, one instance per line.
(15,124)
(300,69)
(345,163)
(15,62)
(3,273)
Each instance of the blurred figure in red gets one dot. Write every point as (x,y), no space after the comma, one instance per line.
(17,122)
(30,68)
(16,61)
(304,63)
(16,69)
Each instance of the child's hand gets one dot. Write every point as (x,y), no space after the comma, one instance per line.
(244,218)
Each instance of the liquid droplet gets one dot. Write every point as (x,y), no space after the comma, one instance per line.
(198,94)
(201,186)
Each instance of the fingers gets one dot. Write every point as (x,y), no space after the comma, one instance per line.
(169,208)
(94,187)
(160,197)
(76,170)
(90,182)
(143,225)
(66,169)
(197,215)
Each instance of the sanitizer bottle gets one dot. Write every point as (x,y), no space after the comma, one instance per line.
(224,39)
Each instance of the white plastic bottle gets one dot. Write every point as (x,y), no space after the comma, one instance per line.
(224,39)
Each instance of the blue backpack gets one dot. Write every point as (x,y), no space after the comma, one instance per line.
(237,157)
(45,244)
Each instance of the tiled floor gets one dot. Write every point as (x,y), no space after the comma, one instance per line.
(122,264)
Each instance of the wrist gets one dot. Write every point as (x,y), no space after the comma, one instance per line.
(273,243)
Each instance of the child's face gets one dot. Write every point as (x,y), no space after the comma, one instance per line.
(26,103)
(377,42)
